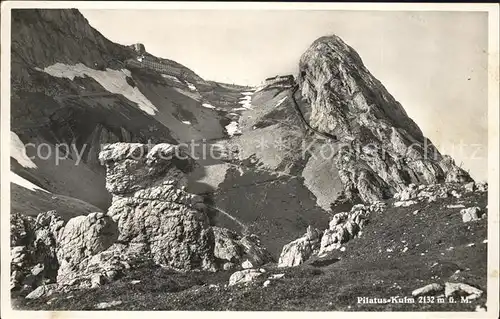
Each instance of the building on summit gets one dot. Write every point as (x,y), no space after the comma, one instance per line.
(280,80)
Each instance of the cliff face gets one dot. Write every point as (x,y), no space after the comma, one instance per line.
(381,150)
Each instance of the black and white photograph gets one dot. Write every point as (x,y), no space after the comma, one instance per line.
(249,157)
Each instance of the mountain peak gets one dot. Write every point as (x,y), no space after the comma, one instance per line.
(387,150)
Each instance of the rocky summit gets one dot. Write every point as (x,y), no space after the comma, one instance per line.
(161,190)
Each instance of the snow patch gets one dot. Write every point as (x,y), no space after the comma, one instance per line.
(18,180)
(18,151)
(113,81)
(208,106)
(191,86)
(171,77)
(246,100)
(281,101)
(186,122)
(233,128)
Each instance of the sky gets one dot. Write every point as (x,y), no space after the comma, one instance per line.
(433,63)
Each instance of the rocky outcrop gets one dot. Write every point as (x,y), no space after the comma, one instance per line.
(106,266)
(233,250)
(301,249)
(384,149)
(44,290)
(450,289)
(430,289)
(82,238)
(34,249)
(471,214)
(413,194)
(21,230)
(152,220)
(48,254)
(151,208)
(343,227)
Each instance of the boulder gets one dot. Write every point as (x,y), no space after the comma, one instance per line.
(470,187)
(108,265)
(226,245)
(255,251)
(82,238)
(338,219)
(430,289)
(247,264)
(42,291)
(470,214)
(246,275)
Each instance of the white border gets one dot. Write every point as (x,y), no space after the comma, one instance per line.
(493,159)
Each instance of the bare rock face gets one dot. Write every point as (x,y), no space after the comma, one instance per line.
(82,238)
(382,148)
(151,208)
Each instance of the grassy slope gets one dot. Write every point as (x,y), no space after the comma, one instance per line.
(363,269)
